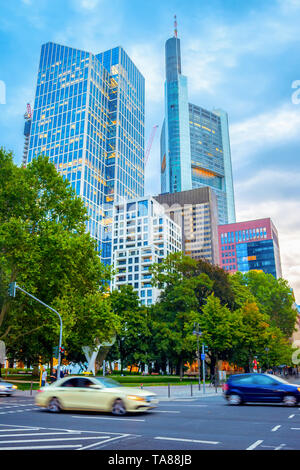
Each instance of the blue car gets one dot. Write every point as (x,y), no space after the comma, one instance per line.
(242,388)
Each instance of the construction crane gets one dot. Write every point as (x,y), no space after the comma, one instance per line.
(150,144)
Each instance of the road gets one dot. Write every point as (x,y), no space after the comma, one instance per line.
(205,423)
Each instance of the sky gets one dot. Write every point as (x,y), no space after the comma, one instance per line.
(243,57)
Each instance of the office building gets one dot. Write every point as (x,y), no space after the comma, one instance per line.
(194,144)
(142,235)
(195,211)
(251,245)
(89,119)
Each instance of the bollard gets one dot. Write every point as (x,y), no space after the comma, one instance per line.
(169,391)
(31,388)
(191,389)
(142,386)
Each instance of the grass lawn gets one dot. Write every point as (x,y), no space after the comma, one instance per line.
(24,382)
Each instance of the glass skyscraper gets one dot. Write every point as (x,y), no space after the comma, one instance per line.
(175,138)
(195,147)
(89,119)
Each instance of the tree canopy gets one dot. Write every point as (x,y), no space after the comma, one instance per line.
(45,248)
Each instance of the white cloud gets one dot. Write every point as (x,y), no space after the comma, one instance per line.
(263,131)
(285,216)
(87,5)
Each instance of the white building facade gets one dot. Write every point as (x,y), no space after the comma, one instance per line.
(142,235)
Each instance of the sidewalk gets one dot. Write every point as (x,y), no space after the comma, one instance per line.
(164,393)
(175,391)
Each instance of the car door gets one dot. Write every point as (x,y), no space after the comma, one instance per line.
(67,393)
(267,388)
(245,386)
(93,396)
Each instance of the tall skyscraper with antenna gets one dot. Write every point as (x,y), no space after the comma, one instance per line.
(195,145)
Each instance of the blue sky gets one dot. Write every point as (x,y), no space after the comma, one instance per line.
(239,56)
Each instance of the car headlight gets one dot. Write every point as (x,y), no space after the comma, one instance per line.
(2,387)
(135,397)
(15,387)
(298,389)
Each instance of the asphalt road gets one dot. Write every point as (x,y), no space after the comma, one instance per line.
(181,424)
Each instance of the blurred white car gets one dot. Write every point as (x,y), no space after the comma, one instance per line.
(6,388)
(94,394)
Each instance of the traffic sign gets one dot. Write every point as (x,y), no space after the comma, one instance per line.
(202,357)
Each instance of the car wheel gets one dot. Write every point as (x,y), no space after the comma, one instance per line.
(234,399)
(290,400)
(54,405)
(118,407)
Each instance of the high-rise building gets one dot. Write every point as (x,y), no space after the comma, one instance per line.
(195,211)
(143,234)
(195,146)
(89,119)
(250,245)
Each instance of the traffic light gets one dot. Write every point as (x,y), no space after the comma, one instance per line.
(206,348)
(12,289)
(62,351)
(55,352)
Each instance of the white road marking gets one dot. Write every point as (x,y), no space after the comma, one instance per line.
(254,445)
(41,447)
(58,439)
(40,434)
(105,442)
(183,406)
(276,428)
(280,447)
(186,440)
(110,419)
(160,411)
(292,416)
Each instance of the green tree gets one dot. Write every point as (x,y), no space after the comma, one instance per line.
(221,330)
(44,247)
(274,297)
(176,312)
(131,345)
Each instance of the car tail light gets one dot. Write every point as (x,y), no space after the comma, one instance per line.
(225,387)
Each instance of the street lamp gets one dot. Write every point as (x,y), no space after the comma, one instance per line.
(267,350)
(13,286)
(198,333)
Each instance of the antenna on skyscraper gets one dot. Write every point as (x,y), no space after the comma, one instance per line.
(175,26)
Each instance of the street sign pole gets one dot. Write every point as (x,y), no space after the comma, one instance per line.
(198,333)
(12,292)
(203,367)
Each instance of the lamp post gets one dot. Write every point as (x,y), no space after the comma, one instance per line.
(267,350)
(12,292)
(198,333)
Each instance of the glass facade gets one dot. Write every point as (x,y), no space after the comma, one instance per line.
(89,119)
(251,245)
(207,156)
(256,256)
(194,146)
(175,147)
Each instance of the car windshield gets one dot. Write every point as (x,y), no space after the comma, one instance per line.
(279,379)
(108,383)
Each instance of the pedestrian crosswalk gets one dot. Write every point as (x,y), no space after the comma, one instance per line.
(14,437)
